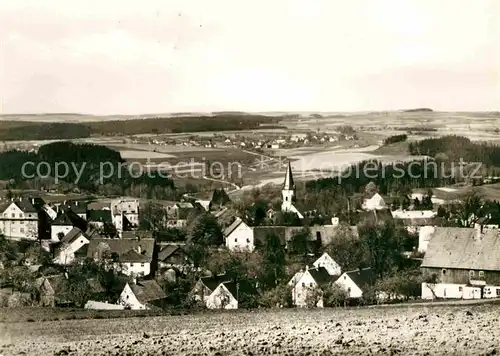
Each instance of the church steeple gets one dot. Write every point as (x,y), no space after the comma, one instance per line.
(289,184)
(288,191)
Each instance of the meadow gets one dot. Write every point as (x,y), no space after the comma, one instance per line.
(388,330)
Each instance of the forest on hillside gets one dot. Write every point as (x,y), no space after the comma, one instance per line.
(456,148)
(81,167)
(16,130)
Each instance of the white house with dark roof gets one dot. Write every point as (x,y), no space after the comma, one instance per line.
(128,207)
(216,292)
(19,219)
(73,241)
(375,202)
(305,283)
(141,295)
(133,256)
(356,282)
(239,236)
(462,263)
(60,227)
(332,267)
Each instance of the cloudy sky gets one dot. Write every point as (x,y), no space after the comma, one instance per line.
(132,57)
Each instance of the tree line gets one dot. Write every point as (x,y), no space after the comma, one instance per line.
(90,168)
(454,148)
(13,130)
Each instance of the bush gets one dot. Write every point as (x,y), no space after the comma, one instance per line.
(395,139)
(281,296)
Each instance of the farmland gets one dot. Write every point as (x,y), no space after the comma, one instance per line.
(406,330)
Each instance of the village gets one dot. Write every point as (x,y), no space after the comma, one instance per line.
(122,237)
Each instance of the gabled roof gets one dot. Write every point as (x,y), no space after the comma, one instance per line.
(233,226)
(460,248)
(25,205)
(120,246)
(363,278)
(78,207)
(147,291)
(289,184)
(72,235)
(321,276)
(168,251)
(62,220)
(213,282)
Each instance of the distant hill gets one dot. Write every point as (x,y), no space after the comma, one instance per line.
(419,110)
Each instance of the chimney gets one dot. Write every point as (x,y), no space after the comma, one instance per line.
(335,221)
(139,248)
(33,201)
(307,268)
(66,275)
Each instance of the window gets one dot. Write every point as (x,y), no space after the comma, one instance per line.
(444,292)
(349,290)
(443,271)
(29,215)
(345,277)
(498,292)
(471,273)
(21,222)
(481,273)
(460,289)
(142,264)
(248,241)
(286,198)
(131,264)
(13,215)
(236,239)
(303,284)
(21,230)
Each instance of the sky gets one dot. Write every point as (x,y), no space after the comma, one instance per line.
(108,57)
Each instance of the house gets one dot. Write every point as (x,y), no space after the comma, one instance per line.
(73,241)
(102,220)
(128,207)
(77,207)
(177,214)
(462,263)
(325,261)
(356,282)
(145,294)
(19,219)
(60,227)
(216,292)
(288,194)
(132,256)
(375,202)
(306,284)
(173,256)
(239,236)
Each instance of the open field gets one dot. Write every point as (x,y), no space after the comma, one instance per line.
(405,330)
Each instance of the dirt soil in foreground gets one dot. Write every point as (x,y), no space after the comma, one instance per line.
(438,330)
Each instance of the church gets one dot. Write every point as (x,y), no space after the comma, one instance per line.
(288,194)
